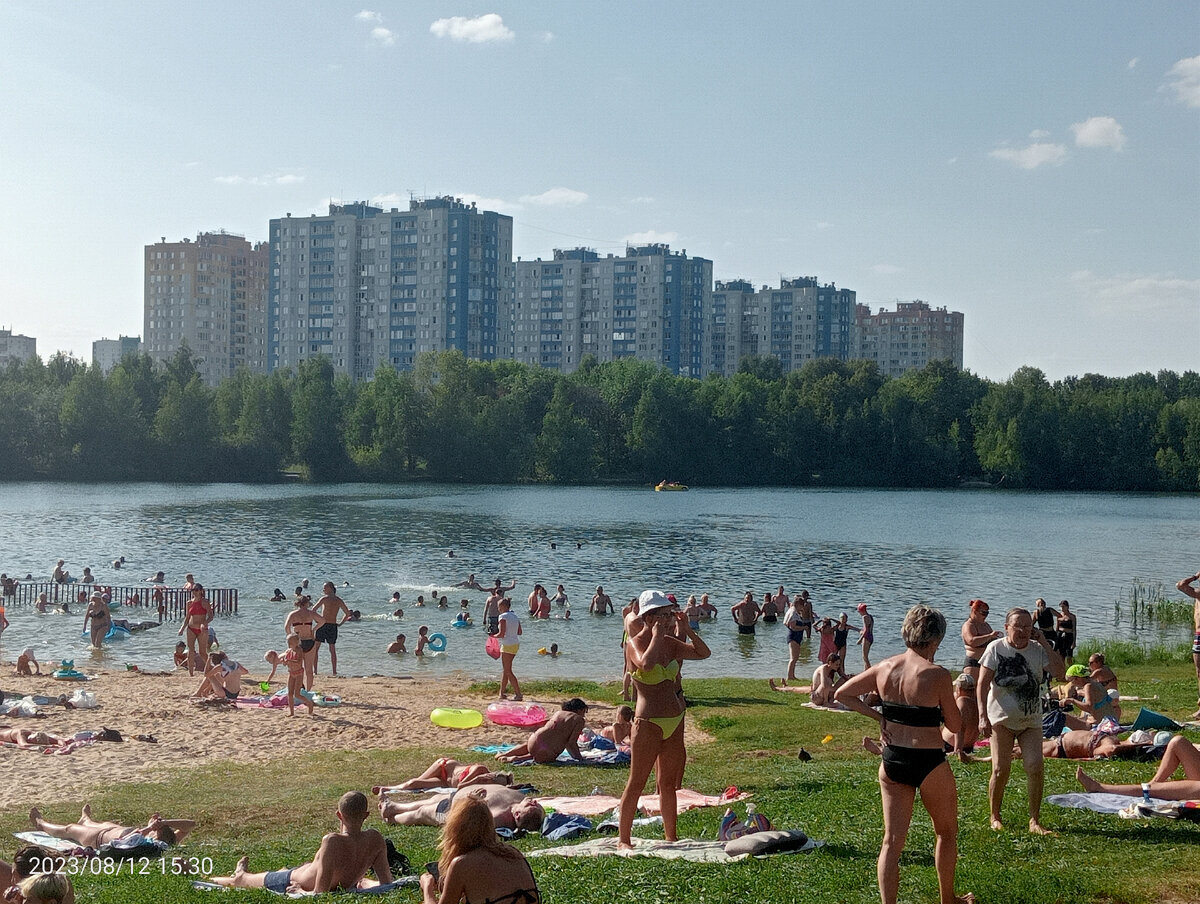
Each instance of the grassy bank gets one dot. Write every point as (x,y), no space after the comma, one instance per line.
(277,812)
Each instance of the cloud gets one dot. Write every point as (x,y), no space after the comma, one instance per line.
(497,204)
(556,197)
(887,269)
(480,30)
(642,199)
(1032,156)
(547,37)
(1183,80)
(368,15)
(651,237)
(1132,64)
(823,225)
(270,179)
(1099,132)
(1039,134)
(383,36)
(1150,295)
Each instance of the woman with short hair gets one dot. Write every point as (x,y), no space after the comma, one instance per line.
(918,698)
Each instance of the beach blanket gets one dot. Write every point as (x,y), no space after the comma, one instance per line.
(402,882)
(599,804)
(1099,802)
(47,842)
(836,708)
(55,749)
(618,757)
(693,851)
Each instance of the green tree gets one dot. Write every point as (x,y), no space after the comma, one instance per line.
(567,447)
(317,432)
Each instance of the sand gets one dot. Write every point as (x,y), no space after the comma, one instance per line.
(376,713)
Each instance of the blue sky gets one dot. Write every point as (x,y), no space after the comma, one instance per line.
(1034,165)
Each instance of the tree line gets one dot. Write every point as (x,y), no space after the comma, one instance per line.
(452,419)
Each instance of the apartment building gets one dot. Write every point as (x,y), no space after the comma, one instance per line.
(795,323)
(909,337)
(16,348)
(650,303)
(366,287)
(210,294)
(107,353)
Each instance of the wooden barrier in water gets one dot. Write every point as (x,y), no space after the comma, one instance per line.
(174,600)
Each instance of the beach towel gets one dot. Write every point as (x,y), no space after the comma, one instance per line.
(1148,718)
(693,851)
(836,708)
(618,757)
(402,882)
(599,804)
(1099,802)
(48,842)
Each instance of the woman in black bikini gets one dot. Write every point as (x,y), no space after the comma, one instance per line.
(918,697)
(303,622)
(476,866)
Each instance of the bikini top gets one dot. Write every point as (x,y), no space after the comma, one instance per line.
(657,674)
(195,607)
(913,716)
(521,895)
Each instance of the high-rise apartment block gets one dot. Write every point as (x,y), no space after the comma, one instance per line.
(909,337)
(799,321)
(16,348)
(211,295)
(650,303)
(366,287)
(107,353)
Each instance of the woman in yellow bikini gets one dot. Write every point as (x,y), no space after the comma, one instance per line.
(655,655)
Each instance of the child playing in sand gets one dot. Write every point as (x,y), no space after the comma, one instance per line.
(25,660)
(621,729)
(422,639)
(272,658)
(397,646)
(181,655)
(294,661)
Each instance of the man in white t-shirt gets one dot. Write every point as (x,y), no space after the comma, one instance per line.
(1010,708)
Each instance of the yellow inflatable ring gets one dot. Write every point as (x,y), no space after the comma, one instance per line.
(456,718)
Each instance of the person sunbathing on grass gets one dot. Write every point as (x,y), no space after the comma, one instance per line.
(1089,745)
(510,809)
(447,772)
(1180,752)
(341,861)
(89,832)
(559,734)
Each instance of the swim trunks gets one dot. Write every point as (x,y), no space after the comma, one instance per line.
(970,663)
(770,619)
(307,643)
(327,633)
(278,880)
(745,629)
(510,648)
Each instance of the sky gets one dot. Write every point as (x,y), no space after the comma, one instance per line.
(1035,166)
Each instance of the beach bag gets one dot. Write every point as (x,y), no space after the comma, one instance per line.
(492,647)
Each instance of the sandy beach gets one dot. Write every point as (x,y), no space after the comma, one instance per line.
(376,713)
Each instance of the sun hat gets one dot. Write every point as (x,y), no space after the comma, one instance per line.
(1141,736)
(1078,671)
(649,600)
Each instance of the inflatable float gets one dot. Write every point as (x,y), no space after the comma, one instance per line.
(445,717)
(66,672)
(437,643)
(116,632)
(522,715)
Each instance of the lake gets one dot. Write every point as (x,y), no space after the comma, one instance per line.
(888,548)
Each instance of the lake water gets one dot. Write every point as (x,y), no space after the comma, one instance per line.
(890,549)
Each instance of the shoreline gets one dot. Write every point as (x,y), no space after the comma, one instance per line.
(375,713)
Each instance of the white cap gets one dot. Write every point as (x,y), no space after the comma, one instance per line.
(649,600)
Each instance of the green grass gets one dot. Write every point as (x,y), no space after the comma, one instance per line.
(1122,654)
(277,812)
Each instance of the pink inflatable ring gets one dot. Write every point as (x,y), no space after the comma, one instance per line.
(523,715)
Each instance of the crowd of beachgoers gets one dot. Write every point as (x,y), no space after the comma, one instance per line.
(1005,699)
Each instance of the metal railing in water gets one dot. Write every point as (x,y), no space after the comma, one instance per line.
(174,600)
